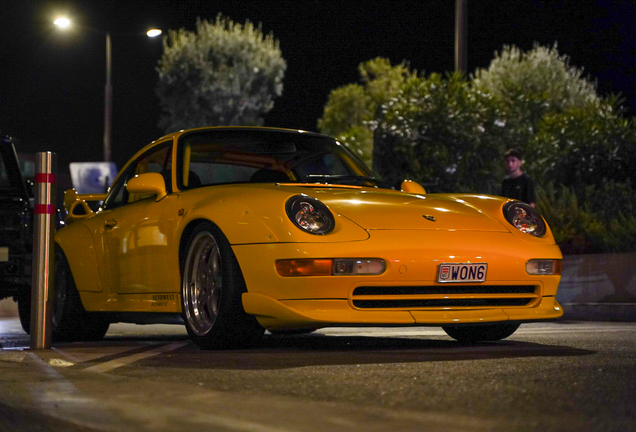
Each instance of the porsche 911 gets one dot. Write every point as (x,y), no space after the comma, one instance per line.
(232,231)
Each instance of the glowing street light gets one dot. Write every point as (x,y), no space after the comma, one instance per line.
(65,23)
(62,22)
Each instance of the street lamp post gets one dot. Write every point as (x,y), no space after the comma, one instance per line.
(108,102)
(461,10)
(108,91)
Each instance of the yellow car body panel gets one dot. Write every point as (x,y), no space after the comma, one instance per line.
(77,240)
(128,258)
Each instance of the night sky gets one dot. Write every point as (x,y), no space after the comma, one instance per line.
(52,82)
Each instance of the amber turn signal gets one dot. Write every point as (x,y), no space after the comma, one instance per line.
(330,267)
(304,267)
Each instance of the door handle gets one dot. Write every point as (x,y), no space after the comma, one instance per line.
(110,223)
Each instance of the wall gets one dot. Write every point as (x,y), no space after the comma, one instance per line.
(599,287)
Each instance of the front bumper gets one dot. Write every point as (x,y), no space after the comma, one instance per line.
(280,315)
(412,258)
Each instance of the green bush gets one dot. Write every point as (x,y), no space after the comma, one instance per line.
(441,132)
(597,219)
(585,146)
(223,73)
(351,109)
(449,132)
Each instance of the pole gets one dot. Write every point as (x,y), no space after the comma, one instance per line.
(461,8)
(42,273)
(108,102)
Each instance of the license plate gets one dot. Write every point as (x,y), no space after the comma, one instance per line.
(462,272)
(4,254)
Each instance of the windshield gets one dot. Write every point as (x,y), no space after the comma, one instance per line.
(267,156)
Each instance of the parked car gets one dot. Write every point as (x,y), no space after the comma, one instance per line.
(232,231)
(16,229)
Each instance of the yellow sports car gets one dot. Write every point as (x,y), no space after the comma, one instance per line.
(232,231)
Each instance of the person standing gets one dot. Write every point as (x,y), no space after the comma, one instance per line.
(517,184)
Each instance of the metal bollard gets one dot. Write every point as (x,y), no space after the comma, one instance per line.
(43,252)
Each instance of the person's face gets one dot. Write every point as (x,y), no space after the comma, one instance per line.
(512,164)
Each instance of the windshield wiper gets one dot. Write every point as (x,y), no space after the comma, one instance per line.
(353,180)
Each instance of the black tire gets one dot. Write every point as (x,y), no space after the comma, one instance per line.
(211,288)
(24,309)
(481,333)
(71,322)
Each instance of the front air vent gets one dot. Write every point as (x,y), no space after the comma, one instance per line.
(444,296)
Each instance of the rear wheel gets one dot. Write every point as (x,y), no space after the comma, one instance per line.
(211,289)
(24,309)
(481,333)
(71,322)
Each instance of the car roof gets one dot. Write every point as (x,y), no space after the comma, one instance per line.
(240,128)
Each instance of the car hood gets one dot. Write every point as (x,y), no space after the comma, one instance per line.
(378,209)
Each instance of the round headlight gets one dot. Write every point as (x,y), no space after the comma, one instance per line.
(525,218)
(310,215)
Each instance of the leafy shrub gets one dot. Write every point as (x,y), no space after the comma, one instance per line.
(599,219)
(585,146)
(224,73)
(441,132)
(449,132)
(351,109)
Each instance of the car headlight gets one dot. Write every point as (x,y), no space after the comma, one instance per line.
(310,215)
(525,218)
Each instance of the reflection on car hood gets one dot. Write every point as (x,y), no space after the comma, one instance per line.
(378,209)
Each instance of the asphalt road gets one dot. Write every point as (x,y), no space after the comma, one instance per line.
(561,376)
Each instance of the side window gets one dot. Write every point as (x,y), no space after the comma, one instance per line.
(156,160)
(118,194)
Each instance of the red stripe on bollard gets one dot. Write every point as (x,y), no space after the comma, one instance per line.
(44,209)
(44,178)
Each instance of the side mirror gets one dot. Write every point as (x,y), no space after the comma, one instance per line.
(148,184)
(409,186)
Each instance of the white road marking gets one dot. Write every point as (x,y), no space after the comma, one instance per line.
(123,361)
(58,397)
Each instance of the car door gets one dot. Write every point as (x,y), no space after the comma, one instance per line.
(135,234)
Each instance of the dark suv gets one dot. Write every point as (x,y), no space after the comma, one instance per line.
(16,228)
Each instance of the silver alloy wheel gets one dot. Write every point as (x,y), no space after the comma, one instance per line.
(202,283)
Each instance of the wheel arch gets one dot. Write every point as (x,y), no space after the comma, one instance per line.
(186,236)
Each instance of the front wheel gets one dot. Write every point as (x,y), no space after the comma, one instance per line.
(481,333)
(211,289)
